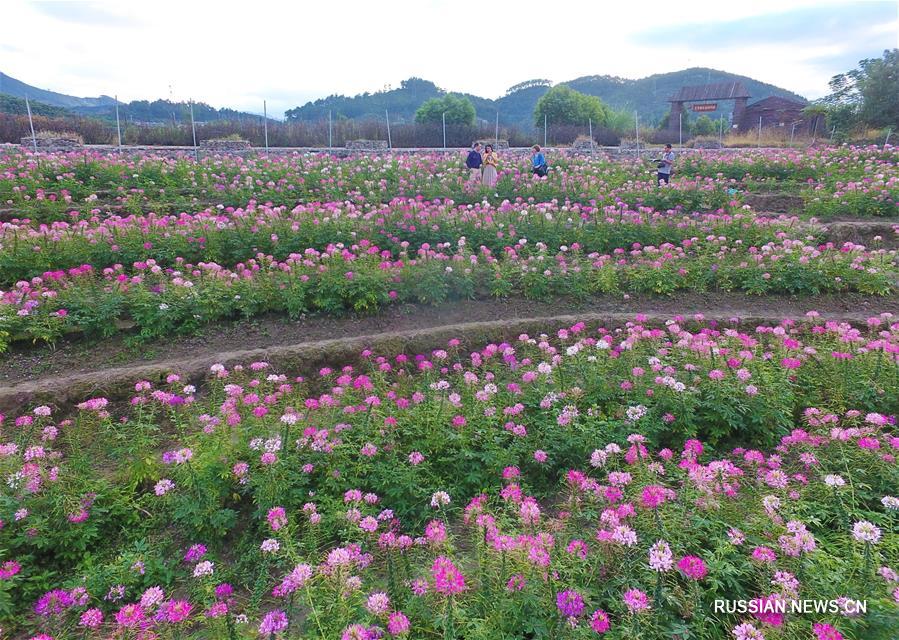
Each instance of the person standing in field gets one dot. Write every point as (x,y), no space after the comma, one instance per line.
(665,165)
(538,160)
(474,161)
(490,160)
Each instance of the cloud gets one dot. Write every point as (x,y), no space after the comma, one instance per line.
(828,24)
(84,13)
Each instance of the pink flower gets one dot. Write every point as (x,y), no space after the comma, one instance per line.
(636,601)
(378,604)
(277,518)
(398,624)
(448,580)
(273,622)
(92,618)
(570,603)
(8,569)
(693,567)
(599,621)
(130,616)
(824,631)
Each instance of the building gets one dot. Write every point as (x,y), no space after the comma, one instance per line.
(775,111)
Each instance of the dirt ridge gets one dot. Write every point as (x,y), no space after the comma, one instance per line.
(307,356)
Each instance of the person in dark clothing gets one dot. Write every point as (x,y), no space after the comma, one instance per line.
(474,161)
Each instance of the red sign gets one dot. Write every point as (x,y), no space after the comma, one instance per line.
(705,107)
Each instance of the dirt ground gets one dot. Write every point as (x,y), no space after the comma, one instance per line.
(78,366)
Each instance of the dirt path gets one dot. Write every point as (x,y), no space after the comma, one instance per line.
(81,368)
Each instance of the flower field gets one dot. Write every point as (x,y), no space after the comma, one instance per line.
(618,480)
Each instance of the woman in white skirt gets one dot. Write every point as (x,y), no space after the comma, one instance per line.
(488,178)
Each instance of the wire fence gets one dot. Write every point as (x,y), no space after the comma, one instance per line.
(323,133)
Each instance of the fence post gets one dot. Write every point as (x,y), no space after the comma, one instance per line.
(118,127)
(496,133)
(832,131)
(792,132)
(31,124)
(637,131)
(389,142)
(759,142)
(544,129)
(265,123)
(889,132)
(193,128)
(330,145)
(590,123)
(680,129)
(443,115)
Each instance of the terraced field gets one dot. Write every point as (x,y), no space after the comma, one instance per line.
(311,397)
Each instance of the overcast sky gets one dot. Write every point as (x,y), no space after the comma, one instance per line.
(235,54)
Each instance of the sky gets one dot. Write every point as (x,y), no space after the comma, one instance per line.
(237,54)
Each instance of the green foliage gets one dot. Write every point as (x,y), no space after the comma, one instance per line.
(458,110)
(564,105)
(703,126)
(866,95)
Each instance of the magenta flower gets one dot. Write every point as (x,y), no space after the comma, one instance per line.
(273,622)
(636,601)
(824,631)
(398,624)
(92,618)
(599,621)
(570,603)
(195,552)
(130,616)
(448,580)
(277,518)
(693,567)
(8,569)
(174,611)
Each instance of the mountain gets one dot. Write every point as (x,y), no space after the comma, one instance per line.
(19,89)
(50,103)
(648,96)
(17,106)
(401,103)
(163,111)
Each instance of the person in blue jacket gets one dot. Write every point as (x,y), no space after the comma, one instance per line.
(538,160)
(474,161)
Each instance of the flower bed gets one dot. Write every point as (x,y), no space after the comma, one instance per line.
(603,480)
(364,278)
(229,235)
(47,187)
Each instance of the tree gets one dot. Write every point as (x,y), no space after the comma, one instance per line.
(458,110)
(564,105)
(529,84)
(869,91)
(703,126)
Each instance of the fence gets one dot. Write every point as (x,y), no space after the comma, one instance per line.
(299,134)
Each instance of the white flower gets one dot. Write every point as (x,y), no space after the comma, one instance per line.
(865,531)
(440,499)
(205,568)
(833,480)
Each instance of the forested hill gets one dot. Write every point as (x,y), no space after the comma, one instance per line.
(648,96)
